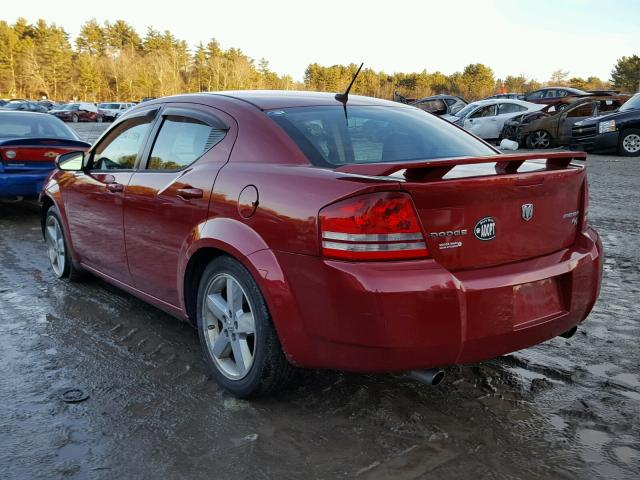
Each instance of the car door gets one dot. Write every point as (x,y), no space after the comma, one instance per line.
(93,198)
(482,122)
(570,117)
(168,197)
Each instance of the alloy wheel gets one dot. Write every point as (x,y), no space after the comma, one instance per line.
(55,245)
(540,139)
(631,143)
(229,326)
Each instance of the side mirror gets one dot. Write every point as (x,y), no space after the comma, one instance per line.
(70,162)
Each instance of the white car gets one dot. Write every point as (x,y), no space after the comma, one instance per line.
(111,111)
(486,118)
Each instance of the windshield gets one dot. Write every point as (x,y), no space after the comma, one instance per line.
(632,104)
(110,106)
(21,125)
(373,134)
(465,111)
(71,106)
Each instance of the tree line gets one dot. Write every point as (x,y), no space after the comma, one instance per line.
(111,61)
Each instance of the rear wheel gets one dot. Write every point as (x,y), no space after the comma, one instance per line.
(99,119)
(57,250)
(240,344)
(629,143)
(539,139)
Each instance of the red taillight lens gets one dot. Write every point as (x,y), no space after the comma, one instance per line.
(374,226)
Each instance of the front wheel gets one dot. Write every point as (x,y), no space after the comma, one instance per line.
(629,143)
(74,118)
(57,250)
(539,139)
(239,342)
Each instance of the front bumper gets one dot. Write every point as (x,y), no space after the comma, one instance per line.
(601,142)
(21,184)
(397,316)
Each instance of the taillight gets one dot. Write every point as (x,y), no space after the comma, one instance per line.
(374,226)
(584,221)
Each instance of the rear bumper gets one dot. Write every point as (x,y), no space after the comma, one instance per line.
(21,184)
(596,143)
(396,316)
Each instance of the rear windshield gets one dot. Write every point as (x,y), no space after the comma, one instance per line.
(373,134)
(34,126)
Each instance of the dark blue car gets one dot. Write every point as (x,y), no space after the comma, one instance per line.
(29,145)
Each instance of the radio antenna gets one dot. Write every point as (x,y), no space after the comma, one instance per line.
(344,97)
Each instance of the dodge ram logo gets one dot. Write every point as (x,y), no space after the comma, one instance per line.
(485,229)
(527,211)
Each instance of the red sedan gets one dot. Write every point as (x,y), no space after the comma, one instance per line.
(300,229)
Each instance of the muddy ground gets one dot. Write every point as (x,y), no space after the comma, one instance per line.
(565,409)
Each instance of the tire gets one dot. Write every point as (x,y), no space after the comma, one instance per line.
(99,119)
(74,118)
(539,139)
(57,250)
(248,332)
(629,143)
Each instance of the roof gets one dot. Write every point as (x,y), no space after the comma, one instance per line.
(23,113)
(570,89)
(271,99)
(491,101)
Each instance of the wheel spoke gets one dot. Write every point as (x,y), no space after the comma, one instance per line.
(217,306)
(234,296)
(246,324)
(51,233)
(52,254)
(241,354)
(221,346)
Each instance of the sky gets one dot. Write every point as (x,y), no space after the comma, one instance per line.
(533,38)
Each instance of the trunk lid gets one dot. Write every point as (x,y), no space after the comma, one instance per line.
(28,154)
(487,211)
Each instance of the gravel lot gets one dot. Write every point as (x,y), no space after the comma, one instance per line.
(564,409)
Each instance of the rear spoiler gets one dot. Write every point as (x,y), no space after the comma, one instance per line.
(434,169)
(43,141)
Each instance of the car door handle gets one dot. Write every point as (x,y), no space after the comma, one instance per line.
(115,187)
(188,193)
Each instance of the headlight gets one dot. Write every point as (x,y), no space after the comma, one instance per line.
(608,126)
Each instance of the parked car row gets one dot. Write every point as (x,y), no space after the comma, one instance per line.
(602,120)
(551,128)
(71,112)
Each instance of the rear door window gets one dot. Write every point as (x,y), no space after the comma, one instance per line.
(181,141)
(488,111)
(585,110)
(366,134)
(504,108)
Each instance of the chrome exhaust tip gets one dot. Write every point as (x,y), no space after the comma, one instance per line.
(431,377)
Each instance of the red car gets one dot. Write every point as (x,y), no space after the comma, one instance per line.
(300,229)
(78,112)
